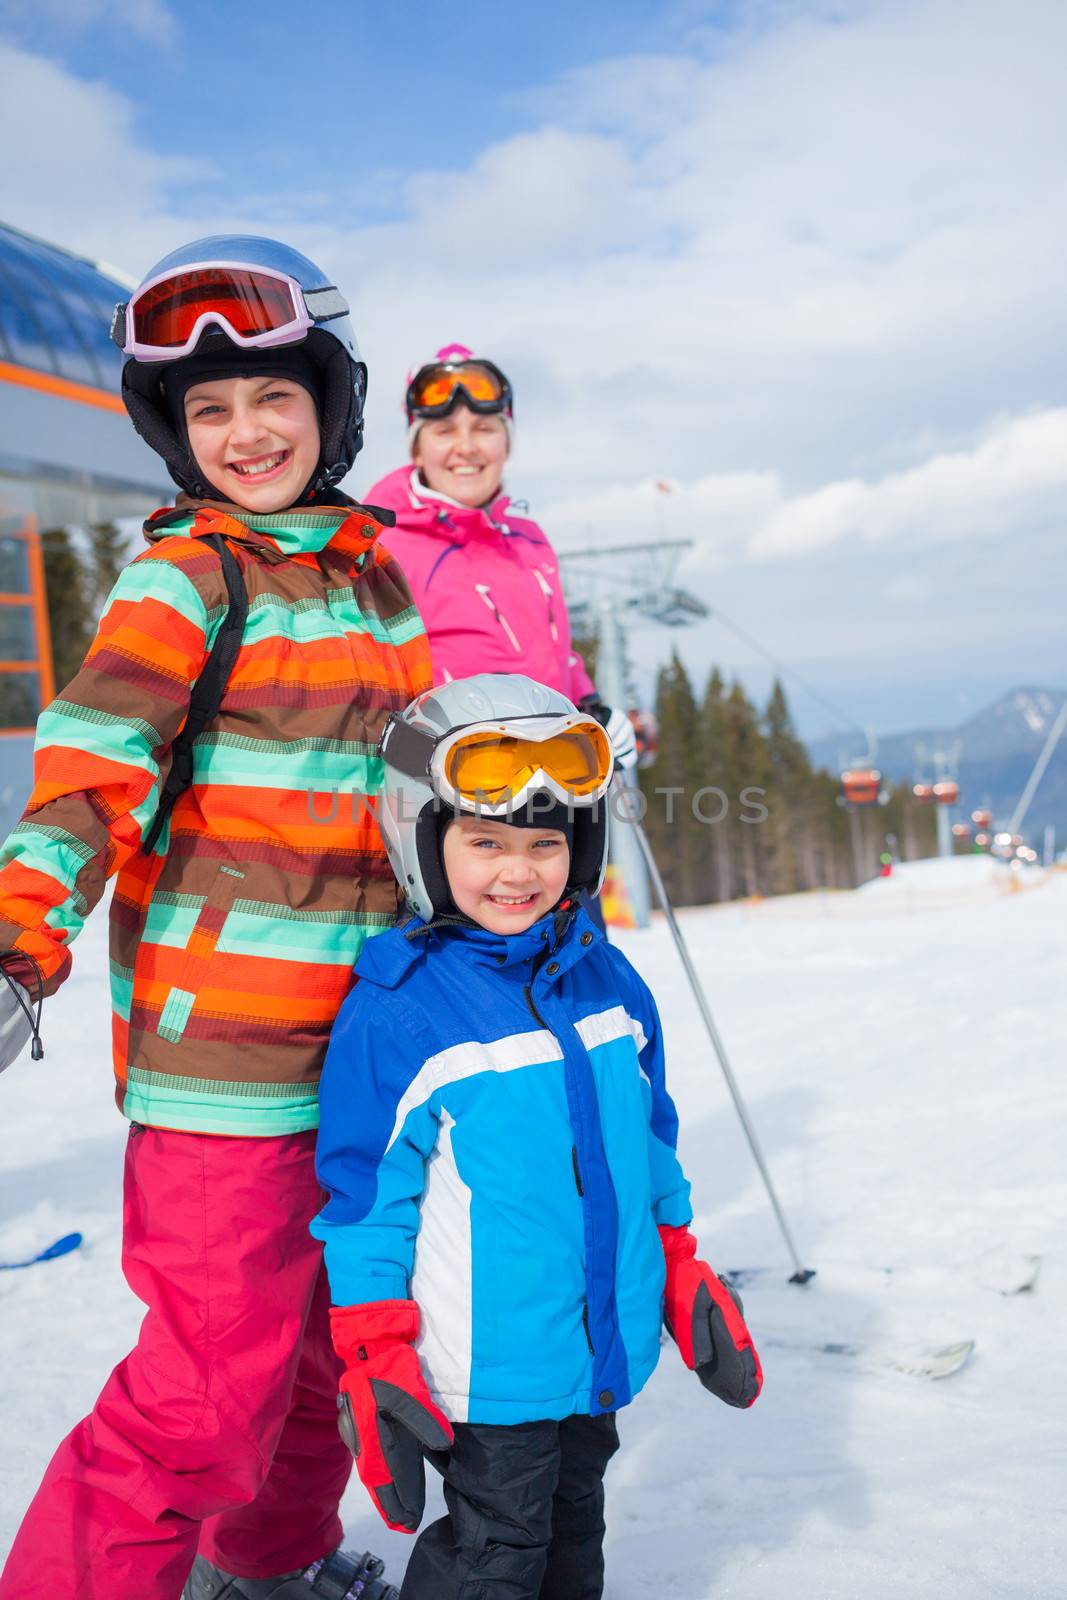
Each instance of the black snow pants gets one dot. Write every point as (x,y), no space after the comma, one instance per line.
(525,1514)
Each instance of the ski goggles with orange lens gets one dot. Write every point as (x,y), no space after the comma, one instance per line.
(493,767)
(435,389)
(255,306)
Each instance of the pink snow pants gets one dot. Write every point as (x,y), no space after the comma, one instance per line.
(218,1432)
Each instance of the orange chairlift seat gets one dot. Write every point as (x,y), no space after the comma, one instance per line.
(861,786)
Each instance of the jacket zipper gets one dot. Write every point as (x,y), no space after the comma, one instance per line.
(546,590)
(528,992)
(483,590)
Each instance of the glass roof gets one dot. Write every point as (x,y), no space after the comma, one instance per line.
(55,312)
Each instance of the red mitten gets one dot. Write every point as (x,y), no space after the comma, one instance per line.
(387,1418)
(704,1315)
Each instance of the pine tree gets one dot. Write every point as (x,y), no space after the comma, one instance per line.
(667,782)
(108,554)
(913,821)
(788,831)
(747,780)
(831,824)
(70,613)
(714,874)
(585,644)
(710,755)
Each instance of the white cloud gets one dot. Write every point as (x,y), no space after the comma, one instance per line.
(805,255)
(720,513)
(148,20)
(1016,477)
(532,197)
(801,252)
(1013,477)
(797,268)
(82,177)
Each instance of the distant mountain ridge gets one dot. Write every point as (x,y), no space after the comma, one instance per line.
(996,750)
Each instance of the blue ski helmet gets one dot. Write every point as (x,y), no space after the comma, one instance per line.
(239,302)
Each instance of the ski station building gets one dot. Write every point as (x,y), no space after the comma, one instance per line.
(68,458)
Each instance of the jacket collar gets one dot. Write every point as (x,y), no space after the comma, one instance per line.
(386,958)
(438,513)
(348,530)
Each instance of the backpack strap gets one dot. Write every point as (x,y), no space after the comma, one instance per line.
(207,692)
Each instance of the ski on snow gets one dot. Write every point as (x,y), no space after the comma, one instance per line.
(60,1247)
(1008,1273)
(1005,1273)
(938,1363)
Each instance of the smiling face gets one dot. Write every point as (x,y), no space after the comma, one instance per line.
(504,877)
(256,440)
(462,455)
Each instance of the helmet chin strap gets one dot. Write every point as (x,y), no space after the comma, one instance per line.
(320,484)
(325,478)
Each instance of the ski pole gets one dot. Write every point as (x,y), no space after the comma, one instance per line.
(801,1274)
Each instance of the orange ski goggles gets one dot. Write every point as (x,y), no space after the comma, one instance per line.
(493,764)
(495,767)
(435,389)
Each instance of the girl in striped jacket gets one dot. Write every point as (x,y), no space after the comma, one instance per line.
(234,929)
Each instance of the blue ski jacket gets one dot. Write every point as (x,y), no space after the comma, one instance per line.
(498,1144)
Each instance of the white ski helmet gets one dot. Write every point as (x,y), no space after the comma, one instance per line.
(559,755)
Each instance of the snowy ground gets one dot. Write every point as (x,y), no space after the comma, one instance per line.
(902,1053)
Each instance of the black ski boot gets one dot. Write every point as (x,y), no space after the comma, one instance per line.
(340,1576)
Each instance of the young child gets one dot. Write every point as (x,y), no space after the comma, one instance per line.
(232,935)
(507,1218)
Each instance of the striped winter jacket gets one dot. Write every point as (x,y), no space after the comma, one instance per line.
(498,1143)
(232,945)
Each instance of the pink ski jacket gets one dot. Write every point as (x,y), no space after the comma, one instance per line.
(486,583)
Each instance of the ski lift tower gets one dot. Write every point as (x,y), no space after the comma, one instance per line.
(609,590)
(945,791)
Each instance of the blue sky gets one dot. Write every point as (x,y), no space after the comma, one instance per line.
(357,93)
(802,260)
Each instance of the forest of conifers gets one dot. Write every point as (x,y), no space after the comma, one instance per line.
(715,839)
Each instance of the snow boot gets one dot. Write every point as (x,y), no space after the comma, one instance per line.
(339,1576)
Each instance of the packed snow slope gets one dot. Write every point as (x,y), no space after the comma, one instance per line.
(902,1053)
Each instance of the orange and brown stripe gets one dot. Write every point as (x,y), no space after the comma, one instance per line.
(232,948)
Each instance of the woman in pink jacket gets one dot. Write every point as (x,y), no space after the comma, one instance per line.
(485,580)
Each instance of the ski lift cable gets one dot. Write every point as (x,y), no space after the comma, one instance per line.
(849,724)
(1023,804)
(597,577)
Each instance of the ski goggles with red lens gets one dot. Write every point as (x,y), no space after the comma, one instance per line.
(255,306)
(494,767)
(435,389)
